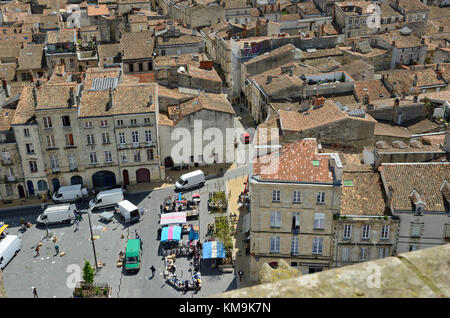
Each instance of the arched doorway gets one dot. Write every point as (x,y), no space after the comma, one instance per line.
(76,180)
(30,187)
(42,185)
(21,191)
(56,184)
(126,177)
(103,179)
(168,162)
(142,175)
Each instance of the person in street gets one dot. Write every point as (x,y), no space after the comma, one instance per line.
(56,249)
(77,223)
(153,271)
(241,273)
(35,294)
(37,250)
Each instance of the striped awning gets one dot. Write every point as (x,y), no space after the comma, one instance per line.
(213,249)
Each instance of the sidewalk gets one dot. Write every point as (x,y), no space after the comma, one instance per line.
(26,202)
(235,187)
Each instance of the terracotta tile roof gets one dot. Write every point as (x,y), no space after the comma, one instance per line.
(374,89)
(280,83)
(30,57)
(208,101)
(95,73)
(365,196)
(262,57)
(144,77)
(308,8)
(321,53)
(355,67)
(137,45)
(264,135)
(164,120)
(53,96)
(423,126)
(236,4)
(295,121)
(294,162)
(171,60)
(404,78)
(127,99)
(25,107)
(9,50)
(6,118)
(183,39)
(8,70)
(434,140)
(393,131)
(199,73)
(412,5)
(61,36)
(290,17)
(108,50)
(95,10)
(173,94)
(425,178)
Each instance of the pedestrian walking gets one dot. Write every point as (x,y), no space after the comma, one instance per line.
(138,238)
(77,223)
(37,250)
(56,249)
(153,270)
(35,295)
(241,273)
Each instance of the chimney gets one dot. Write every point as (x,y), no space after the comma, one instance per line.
(269,79)
(416,78)
(390,194)
(395,110)
(366,99)
(149,104)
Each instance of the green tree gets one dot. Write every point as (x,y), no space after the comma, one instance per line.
(88,272)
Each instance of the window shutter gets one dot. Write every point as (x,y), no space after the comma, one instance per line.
(297,219)
(345,254)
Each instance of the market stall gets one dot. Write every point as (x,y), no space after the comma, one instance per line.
(173,218)
(213,249)
(171,233)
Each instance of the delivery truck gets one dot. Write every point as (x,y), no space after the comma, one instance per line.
(70,193)
(9,247)
(190,180)
(105,199)
(128,211)
(59,213)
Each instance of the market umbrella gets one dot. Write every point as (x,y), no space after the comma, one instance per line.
(214,249)
(171,233)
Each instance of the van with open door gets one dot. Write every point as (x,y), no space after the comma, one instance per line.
(58,213)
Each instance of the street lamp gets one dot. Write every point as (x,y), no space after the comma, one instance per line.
(92,239)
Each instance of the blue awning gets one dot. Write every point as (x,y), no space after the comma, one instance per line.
(213,249)
(171,233)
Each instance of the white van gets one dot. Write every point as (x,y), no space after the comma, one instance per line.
(59,213)
(129,211)
(106,199)
(191,180)
(70,193)
(9,247)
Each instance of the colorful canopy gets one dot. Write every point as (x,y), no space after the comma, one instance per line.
(171,233)
(3,227)
(173,218)
(193,233)
(214,249)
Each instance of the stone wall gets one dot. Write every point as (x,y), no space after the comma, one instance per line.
(408,112)
(422,274)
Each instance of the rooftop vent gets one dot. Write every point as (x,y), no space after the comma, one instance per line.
(399,144)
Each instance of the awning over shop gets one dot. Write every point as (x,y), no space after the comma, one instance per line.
(173,218)
(213,249)
(171,233)
(3,227)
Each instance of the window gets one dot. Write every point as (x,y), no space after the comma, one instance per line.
(123,156)
(66,121)
(133,122)
(93,157)
(72,162)
(119,122)
(131,67)
(384,232)
(47,122)
(413,248)
(383,252)
(319,221)
(88,124)
(294,245)
(446,230)
(147,121)
(42,185)
(347,232)
(345,254)
(33,166)
(366,232)
(317,246)
(320,197)
(103,123)
(148,136)
(276,195)
(51,141)
(90,139)
(122,138)
(135,136)
(274,244)
(275,219)
(150,156)
(9,190)
(30,148)
(54,162)
(296,222)
(416,229)
(26,132)
(108,156)
(363,255)
(296,197)
(105,138)
(137,155)
(69,139)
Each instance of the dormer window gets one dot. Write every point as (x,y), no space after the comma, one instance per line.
(418,203)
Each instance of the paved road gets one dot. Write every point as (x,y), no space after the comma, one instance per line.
(48,273)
